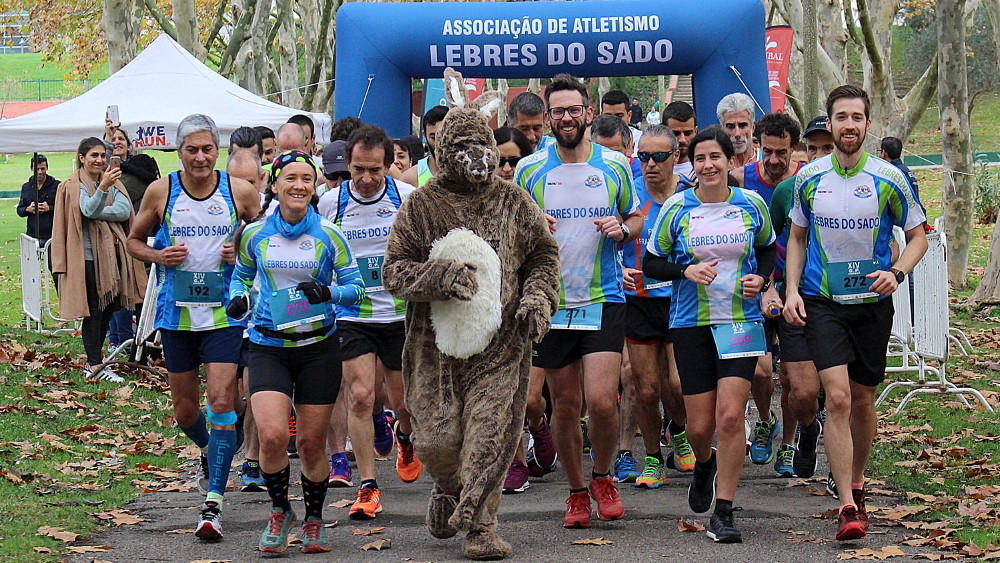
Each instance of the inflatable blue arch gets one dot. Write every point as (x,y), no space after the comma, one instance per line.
(381,47)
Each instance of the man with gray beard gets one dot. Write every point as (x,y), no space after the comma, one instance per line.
(736,115)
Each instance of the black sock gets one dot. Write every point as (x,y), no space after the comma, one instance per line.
(369,484)
(404,439)
(657,455)
(723,507)
(674,428)
(624,452)
(599,475)
(575,491)
(314,494)
(277,488)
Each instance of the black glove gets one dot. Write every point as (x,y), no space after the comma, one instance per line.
(238,307)
(314,292)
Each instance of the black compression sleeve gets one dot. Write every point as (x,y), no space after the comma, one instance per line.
(766,257)
(660,268)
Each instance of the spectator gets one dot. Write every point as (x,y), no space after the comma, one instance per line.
(38,198)
(636,118)
(138,171)
(96,276)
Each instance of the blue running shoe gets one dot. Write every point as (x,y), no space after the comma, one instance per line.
(762,446)
(274,538)
(783,462)
(340,471)
(383,434)
(626,468)
(250,478)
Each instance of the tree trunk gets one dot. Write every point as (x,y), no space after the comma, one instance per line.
(534,85)
(504,90)
(603,86)
(810,58)
(989,287)
(287,57)
(186,22)
(119,29)
(953,101)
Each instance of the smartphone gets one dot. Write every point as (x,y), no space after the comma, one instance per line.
(112,115)
(116,162)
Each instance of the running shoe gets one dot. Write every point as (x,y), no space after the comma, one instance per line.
(653,475)
(274,538)
(517,478)
(586,435)
(383,434)
(408,467)
(314,538)
(701,491)
(626,468)
(783,461)
(831,486)
(762,445)
(369,504)
(209,526)
(340,471)
(544,459)
(859,500)
(683,454)
(292,450)
(106,374)
(722,529)
(203,480)
(849,525)
(805,455)
(250,478)
(577,510)
(609,504)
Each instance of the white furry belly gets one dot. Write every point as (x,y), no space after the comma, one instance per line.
(464,328)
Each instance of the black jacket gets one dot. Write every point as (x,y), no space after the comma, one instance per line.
(39,225)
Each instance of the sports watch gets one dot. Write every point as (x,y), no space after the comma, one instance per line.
(900,276)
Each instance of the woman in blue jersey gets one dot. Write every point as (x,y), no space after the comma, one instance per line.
(718,243)
(304,268)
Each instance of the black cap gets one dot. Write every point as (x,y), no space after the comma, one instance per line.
(333,157)
(815,124)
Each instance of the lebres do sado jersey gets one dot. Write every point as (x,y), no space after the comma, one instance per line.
(632,251)
(202,226)
(366,225)
(576,194)
(850,215)
(689,231)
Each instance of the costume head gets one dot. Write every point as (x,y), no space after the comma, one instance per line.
(466,152)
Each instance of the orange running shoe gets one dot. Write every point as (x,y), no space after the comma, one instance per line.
(369,504)
(408,467)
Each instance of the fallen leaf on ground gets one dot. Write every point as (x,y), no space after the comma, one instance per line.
(685,526)
(331,524)
(796,532)
(936,556)
(593,541)
(88,548)
(377,545)
(181,531)
(212,561)
(57,533)
(341,503)
(43,550)
(369,531)
(918,496)
(886,552)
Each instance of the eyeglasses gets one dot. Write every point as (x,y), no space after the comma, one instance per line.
(661,156)
(573,111)
(337,176)
(511,160)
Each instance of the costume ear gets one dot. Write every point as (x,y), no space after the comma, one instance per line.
(488,103)
(455,92)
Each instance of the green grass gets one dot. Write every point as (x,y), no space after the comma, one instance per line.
(29,66)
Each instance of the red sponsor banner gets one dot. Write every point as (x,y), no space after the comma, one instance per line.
(475,86)
(778,50)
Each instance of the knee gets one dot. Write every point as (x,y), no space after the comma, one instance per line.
(602,409)
(648,396)
(763,375)
(220,404)
(731,422)
(361,398)
(838,401)
(310,447)
(535,405)
(699,429)
(273,438)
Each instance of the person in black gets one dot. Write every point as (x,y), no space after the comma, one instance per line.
(892,150)
(38,198)
(637,114)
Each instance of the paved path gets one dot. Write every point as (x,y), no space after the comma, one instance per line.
(530,521)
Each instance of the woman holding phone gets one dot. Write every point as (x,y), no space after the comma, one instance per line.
(96,276)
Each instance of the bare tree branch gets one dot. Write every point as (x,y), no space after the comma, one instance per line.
(161,18)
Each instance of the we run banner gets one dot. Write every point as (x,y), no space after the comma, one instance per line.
(778,50)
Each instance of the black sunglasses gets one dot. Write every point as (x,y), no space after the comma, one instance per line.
(337,176)
(661,156)
(511,160)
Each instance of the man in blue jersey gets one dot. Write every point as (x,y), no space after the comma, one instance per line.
(778,132)
(195,212)
(839,278)
(371,332)
(589,192)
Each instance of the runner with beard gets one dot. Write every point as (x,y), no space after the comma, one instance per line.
(589,192)
(839,276)
(736,114)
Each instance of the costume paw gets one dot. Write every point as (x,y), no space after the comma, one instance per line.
(460,281)
(535,312)
(461,519)
(485,545)
(439,510)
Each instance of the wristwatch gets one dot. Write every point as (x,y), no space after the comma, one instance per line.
(625,231)
(766,286)
(900,276)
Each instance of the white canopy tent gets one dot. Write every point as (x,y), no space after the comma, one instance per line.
(153,93)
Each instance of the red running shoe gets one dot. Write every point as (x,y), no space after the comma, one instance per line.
(609,504)
(577,511)
(849,526)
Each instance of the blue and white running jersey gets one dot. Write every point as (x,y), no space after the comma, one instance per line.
(754,181)
(850,215)
(576,194)
(366,225)
(202,226)
(632,251)
(278,264)
(689,231)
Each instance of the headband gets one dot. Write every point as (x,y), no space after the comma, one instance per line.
(288,157)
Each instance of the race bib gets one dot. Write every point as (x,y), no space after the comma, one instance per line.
(848,281)
(580,318)
(199,289)
(371,272)
(650,283)
(290,308)
(739,340)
